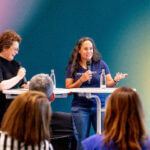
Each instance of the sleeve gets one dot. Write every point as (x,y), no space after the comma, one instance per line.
(68,71)
(104,66)
(149,142)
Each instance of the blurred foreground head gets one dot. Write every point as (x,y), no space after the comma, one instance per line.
(27,118)
(42,82)
(124,119)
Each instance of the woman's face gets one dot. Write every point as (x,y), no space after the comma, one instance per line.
(11,52)
(86,51)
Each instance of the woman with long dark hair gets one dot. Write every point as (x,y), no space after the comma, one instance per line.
(78,75)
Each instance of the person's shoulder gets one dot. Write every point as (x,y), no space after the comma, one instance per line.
(69,65)
(102,62)
(97,137)
(15,62)
(2,61)
(93,141)
(148,140)
(68,68)
(146,143)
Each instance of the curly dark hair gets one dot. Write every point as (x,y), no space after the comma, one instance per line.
(7,38)
(76,58)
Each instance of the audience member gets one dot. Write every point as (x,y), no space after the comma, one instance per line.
(62,136)
(124,127)
(26,123)
(42,82)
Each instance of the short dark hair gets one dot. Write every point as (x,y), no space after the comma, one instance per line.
(7,38)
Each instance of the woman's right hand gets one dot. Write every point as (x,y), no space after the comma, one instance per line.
(69,83)
(86,76)
(21,72)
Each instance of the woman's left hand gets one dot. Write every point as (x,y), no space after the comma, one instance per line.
(120,76)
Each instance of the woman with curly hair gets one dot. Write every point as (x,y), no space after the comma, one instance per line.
(11,73)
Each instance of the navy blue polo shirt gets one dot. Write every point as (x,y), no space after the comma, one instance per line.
(96,68)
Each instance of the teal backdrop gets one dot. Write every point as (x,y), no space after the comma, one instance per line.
(50,29)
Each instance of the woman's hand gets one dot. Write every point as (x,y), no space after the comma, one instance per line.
(71,84)
(21,73)
(86,76)
(120,76)
(110,82)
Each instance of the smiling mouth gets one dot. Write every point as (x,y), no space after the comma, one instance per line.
(89,55)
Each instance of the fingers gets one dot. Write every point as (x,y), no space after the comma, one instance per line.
(86,76)
(120,76)
(21,72)
(89,73)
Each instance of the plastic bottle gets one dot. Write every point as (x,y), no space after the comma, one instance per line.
(52,75)
(103,79)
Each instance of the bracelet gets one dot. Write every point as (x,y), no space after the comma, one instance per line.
(115,81)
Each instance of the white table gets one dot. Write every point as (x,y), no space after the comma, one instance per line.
(61,92)
(12,93)
(90,93)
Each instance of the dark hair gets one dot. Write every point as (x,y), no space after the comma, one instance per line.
(42,82)
(7,38)
(27,118)
(76,58)
(124,119)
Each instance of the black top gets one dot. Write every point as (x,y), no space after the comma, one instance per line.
(9,69)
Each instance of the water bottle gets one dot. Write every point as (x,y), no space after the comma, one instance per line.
(103,79)
(52,75)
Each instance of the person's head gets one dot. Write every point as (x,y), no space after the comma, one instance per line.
(9,44)
(124,119)
(42,82)
(84,50)
(27,118)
